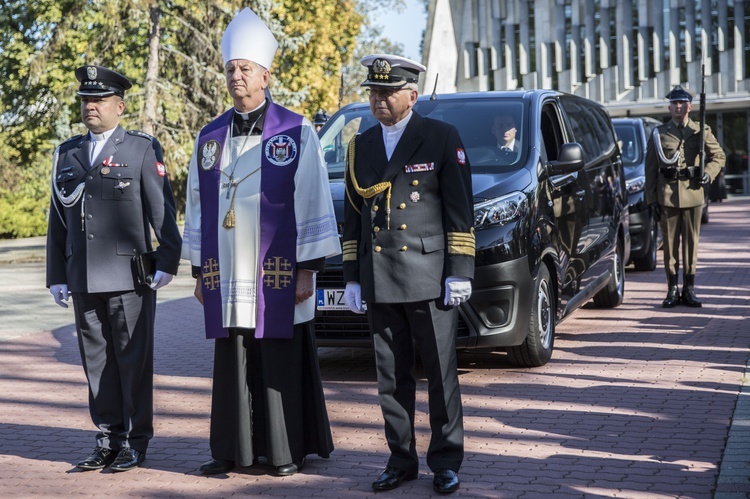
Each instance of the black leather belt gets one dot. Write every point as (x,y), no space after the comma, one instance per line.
(679,173)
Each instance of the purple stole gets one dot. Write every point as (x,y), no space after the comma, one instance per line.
(278,229)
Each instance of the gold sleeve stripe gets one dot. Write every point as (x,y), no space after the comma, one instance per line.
(350,251)
(461,243)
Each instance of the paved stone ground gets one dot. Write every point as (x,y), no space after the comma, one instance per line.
(637,402)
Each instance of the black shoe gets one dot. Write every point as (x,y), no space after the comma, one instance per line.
(445,481)
(688,292)
(98,459)
(392,478)
(291,468)
(216,466)
(127,459)
(673,294)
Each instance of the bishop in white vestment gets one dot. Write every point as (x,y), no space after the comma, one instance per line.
(259,225)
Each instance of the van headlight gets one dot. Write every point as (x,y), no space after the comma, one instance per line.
(500,211)
(636,184)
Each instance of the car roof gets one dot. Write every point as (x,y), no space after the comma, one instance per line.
(636,119)
(493,94)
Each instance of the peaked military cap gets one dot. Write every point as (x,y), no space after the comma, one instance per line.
(320,118)
(101,82)
(679,94)
(393,71)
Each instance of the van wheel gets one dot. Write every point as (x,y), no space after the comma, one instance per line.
(612,295)
(536,350)
(648,261)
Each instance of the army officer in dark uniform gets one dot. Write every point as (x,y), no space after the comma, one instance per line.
(110,189)
(674,189)
(409,253)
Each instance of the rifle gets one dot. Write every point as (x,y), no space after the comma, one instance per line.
(702,114)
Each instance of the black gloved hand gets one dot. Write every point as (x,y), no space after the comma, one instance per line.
(656,209)
(705,179)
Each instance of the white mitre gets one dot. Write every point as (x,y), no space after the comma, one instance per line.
(248,37)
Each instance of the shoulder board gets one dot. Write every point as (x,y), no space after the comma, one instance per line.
(75,137)
(138,133)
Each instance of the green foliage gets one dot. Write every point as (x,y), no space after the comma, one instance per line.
(175,65)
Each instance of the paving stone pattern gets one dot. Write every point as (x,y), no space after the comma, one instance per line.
(637,402)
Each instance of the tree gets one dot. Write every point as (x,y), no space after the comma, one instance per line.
(170,49)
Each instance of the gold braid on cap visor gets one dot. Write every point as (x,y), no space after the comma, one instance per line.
(369,192)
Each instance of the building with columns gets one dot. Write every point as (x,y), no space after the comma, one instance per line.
(626,54)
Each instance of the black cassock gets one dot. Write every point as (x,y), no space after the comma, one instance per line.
(268,399)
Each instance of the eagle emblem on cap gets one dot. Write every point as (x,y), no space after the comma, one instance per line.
(91,72)
(381,68)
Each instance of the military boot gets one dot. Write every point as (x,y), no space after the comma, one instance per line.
(673,294)
(688,292)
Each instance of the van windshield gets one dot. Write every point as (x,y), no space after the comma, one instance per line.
(630,145)
(493,131)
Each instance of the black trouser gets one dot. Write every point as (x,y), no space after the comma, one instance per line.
(116,340)
(431,328)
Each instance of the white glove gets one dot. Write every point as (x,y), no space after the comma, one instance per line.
(353,297)
(457,290)
(160,280)
(60,294)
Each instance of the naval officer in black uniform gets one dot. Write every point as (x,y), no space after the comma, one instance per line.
(409,253)
(109,190)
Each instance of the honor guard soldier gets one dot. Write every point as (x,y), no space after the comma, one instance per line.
(409,254)
(675,184)
(109,191)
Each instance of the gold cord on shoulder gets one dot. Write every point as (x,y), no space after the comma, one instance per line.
(368,192)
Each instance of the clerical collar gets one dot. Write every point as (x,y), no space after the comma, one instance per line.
(398,126)
(250,122)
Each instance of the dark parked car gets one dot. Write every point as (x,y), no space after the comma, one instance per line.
(633,135)
(551,219)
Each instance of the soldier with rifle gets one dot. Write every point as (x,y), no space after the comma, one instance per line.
(682,159)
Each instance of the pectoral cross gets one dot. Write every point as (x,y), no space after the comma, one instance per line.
(228,185)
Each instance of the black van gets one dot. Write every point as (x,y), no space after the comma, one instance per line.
(633,135)
(551,219)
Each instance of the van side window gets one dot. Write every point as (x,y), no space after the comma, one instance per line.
(603,130)
(551,132)
(584,124)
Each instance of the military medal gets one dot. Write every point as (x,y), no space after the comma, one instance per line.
(105,170)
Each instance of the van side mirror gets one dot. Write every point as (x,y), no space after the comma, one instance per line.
(570,160)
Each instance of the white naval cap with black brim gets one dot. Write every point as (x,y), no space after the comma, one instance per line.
(390,71)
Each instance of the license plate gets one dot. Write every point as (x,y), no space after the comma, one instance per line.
(332,299)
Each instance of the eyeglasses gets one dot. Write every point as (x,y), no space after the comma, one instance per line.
(384,93)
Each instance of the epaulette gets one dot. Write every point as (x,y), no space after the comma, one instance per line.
(138,133)
(74,137)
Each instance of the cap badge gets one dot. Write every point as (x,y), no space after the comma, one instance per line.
(382,69)
(91,72)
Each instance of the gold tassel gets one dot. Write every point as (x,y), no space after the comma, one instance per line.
(229,219)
